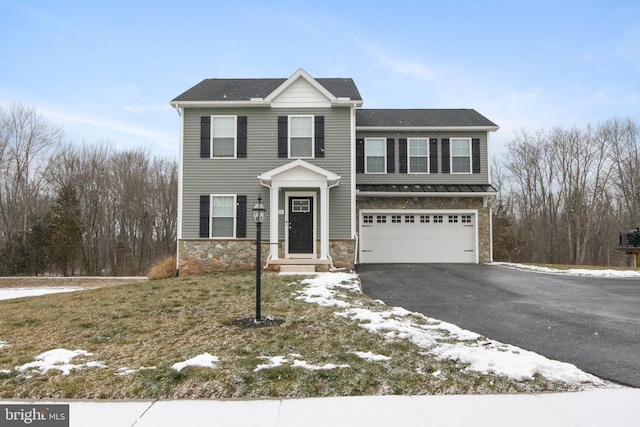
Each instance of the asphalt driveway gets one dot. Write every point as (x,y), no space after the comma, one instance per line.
(593,323)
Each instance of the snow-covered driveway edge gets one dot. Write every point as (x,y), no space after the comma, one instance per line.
(440,339)
(571,271)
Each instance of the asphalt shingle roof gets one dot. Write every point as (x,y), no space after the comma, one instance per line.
(245,89)
(422,118)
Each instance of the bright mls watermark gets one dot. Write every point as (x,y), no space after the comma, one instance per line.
(34,415)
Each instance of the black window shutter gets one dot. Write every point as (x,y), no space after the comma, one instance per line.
(445,156)
(319,135)
(475,155)
(360,155)
(205,137)
(391,155)
(242,136)
(402,152)
(433,155)
(283,140)
(241,216)
(205,201)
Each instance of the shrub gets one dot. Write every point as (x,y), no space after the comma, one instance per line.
(163,268)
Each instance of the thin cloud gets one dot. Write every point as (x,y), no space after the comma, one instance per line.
(402,67)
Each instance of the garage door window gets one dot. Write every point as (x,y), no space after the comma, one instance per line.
(409,219)
(453,219)
(367,219)
(425,219)
(466,219)
(437,218)
(381,219)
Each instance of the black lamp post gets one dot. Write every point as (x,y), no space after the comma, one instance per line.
(258,217)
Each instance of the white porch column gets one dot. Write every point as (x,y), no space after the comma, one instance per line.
(324,222)
(273,222)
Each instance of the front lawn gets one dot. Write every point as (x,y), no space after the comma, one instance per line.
(130,337)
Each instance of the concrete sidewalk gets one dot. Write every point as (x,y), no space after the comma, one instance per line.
(600,407)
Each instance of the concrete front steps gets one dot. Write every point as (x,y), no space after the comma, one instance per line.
(299,265)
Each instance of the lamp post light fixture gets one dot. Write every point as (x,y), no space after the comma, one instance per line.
(258,216)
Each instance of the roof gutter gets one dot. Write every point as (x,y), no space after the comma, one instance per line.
(429,128)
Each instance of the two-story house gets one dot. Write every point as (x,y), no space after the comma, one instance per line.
(341,185)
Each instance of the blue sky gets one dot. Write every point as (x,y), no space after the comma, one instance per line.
(106,70)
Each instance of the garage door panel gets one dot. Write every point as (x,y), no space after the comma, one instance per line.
(437,237)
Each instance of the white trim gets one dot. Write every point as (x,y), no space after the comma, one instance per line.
(405,212)
(292,195)
(409,156)
(235,215)
(451,156)
(384,162)
(353,172)
(291,80)
(313,136)
(235,136)
(180,191)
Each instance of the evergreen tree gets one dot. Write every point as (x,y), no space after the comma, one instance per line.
(66,230)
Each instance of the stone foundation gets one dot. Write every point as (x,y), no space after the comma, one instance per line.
(206,255)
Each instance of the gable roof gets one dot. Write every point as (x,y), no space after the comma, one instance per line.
(246,90)
(407,119)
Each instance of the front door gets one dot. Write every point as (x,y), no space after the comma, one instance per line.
(300,232)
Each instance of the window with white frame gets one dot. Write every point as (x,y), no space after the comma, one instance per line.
(223,215)
(418,155)
(375,152)
(223,136)
(460,155)
(301,137)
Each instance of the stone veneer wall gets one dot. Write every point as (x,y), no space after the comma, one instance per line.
(206,255)
(484,213)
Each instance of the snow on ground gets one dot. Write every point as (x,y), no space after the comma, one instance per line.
(12,293)
(59,359)
(204,360)
(435,337)
(294,360)
(371,357)
(572,271)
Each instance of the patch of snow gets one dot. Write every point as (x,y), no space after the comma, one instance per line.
(371,357)
(274,362)
(441,339)
(3,344)
(13,293)
(127,371)
(204,360)
(59,359)
(571,271)
(327,367)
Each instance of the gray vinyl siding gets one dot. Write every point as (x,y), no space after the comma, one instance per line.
(239,176)
(431,178)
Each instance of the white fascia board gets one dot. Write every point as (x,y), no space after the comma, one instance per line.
(428,128)
(220,104)
(300,74)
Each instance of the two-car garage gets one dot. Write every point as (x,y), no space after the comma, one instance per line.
(429,236)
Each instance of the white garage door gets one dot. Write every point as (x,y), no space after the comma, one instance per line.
(398,237)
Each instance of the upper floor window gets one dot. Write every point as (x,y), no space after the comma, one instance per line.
(418,155)
(375,153)
(460,155)
(223,215)
(223,136)
(301,137)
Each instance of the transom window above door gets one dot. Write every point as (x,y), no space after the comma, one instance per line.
(301,137)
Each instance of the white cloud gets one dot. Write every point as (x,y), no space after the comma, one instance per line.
(402,67)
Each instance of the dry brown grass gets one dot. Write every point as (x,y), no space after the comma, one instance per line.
(164,268)
(158,323)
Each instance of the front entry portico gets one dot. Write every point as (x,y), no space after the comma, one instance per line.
(301,182)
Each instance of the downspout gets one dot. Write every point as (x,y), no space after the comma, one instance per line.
(180,169)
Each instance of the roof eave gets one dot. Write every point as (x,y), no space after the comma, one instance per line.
(425,194)
(220,104)
(428,128)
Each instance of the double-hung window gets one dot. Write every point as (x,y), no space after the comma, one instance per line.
(301,137)
(375,152)
(418,155)
(223,215)
(460,155)
(223,136)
